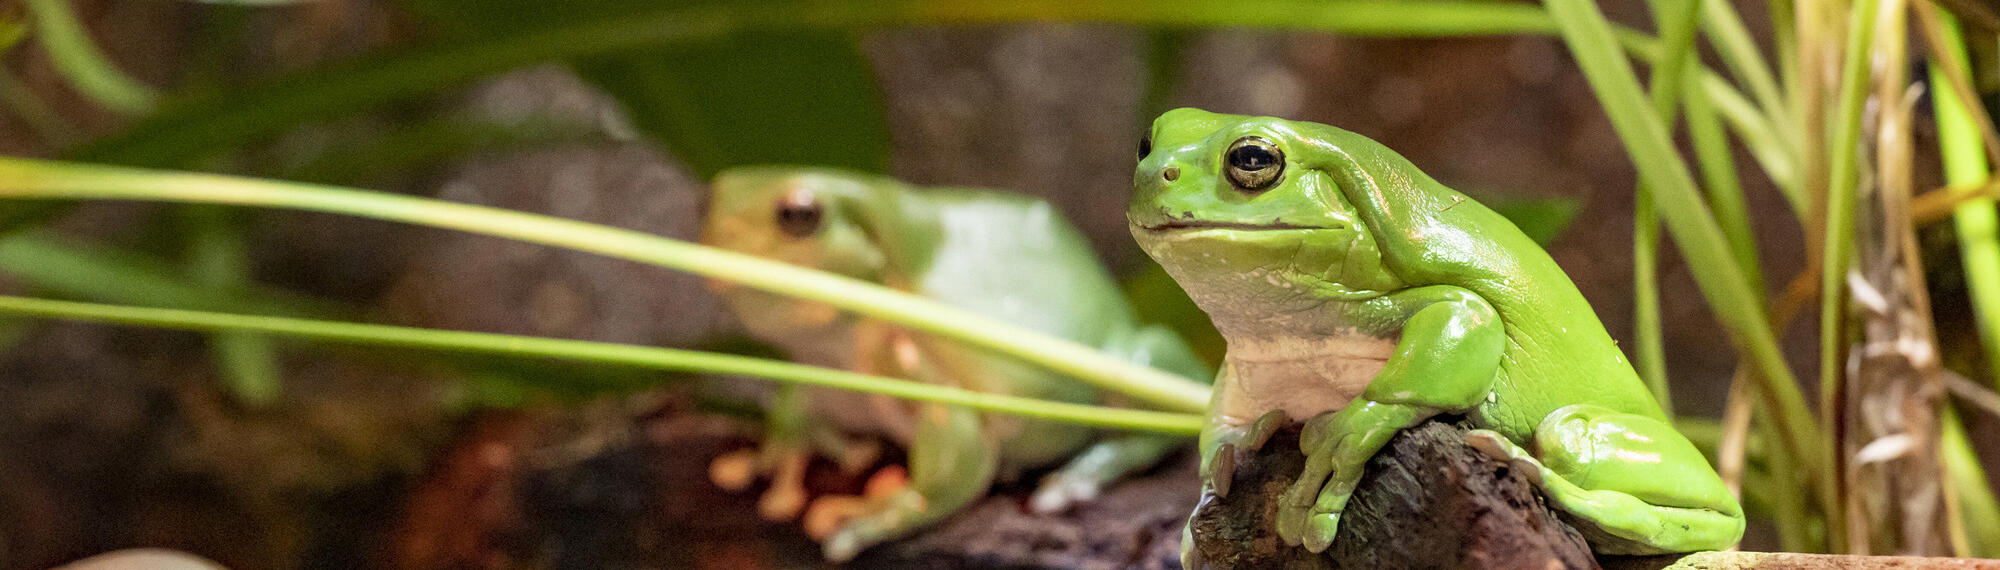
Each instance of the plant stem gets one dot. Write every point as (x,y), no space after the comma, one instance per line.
(606,353)
(219,257)
(24,178)
(70,49)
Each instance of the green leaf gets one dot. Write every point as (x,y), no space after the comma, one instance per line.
(750,97)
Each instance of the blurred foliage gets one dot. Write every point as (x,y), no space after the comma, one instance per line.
(749,97)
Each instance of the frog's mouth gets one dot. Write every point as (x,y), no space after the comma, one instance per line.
(1188,224)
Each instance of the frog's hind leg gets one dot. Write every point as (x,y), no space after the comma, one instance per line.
(1629,482)
(1098,466)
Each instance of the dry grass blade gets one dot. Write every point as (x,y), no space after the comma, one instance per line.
(1936,205)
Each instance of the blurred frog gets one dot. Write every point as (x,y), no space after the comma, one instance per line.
(1006,256)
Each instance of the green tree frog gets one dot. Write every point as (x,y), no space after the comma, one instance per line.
(1006,256)
(1361,297)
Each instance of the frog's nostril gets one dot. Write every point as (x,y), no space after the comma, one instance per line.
(1172,173)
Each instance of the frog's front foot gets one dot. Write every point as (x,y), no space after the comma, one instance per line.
(786,496)
(1218,467)
(1336,445)
(846,524)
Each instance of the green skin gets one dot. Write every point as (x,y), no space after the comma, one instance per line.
(1006,256)
(1362,297)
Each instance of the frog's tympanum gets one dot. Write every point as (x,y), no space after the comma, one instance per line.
(1362,297)
(1006,256)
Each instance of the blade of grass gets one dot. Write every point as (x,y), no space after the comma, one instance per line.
(1725,188)
(1978,509)
(1938,204)
(25,178)
(1739,53)
(1837,249)
(1760,136)
(219,257)
(605,353)
(1591,41)
(44,262)
(1976,222)
(1978,228)
(70,49)
(1676,20)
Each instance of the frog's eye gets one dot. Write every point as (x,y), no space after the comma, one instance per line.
(799,213)
(1145,146)
(1254,163)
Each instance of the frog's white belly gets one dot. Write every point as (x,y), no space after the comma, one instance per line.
(1303,376)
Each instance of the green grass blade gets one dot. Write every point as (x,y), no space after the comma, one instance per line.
(80,62)
(81,272)
(1592,42)
(1724,186)
(1978,508)
(1761,137)
(1677,24)
(1837,249)
(219,257)
(1739,53)
(604,353)
(1976,222)
(24,178)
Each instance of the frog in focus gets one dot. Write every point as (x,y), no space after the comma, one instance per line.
(1006,256)
(1361,297)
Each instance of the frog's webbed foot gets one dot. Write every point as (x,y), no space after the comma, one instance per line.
(1596,464)
(833,519)
(786,465)
(1337,445)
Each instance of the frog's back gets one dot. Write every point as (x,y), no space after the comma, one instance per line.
(1016,258)
(1558,352)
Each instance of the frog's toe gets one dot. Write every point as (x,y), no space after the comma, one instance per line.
(1320,529)
(782,503)
(1058,495)
(1491,443)
(1530,469)
(1291,524)
(1190,557)
(842,547)
(1262,429)
(734,471)
(1222,470)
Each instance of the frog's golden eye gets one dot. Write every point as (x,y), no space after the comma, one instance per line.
(1145,146)
(799,213)
(1254,163)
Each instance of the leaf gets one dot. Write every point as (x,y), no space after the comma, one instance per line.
(749,97)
